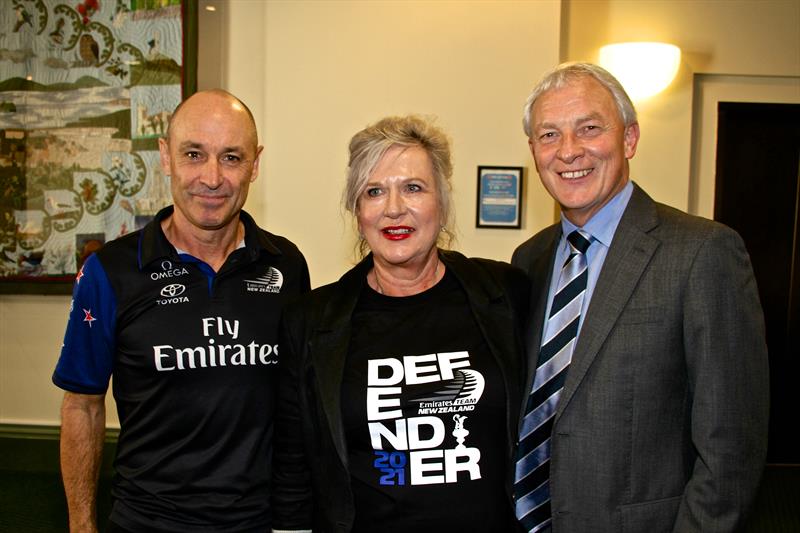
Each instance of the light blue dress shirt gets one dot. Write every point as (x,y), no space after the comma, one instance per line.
(601,227)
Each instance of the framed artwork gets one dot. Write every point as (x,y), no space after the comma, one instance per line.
(86,89)
(499,203)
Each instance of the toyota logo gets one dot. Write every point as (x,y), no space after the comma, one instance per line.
(170,291)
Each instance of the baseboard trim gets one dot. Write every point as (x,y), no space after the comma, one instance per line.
(43,432)
(34,448)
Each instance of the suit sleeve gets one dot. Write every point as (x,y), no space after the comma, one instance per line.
(519,260)
(728,377)
(292,505)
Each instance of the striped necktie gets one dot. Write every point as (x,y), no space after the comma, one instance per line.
(531,480)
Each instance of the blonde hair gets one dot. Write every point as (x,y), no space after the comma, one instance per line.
(369,145)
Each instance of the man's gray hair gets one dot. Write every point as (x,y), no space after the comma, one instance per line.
(566,73)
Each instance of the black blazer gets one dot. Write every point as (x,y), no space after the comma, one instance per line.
(311,477)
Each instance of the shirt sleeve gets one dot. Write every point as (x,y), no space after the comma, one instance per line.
(87,354)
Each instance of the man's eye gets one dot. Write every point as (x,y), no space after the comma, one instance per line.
(547,136)
(192,155)
(231,158)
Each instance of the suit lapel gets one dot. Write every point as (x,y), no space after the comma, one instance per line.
(630,253)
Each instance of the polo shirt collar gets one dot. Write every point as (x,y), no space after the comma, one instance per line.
(154,245)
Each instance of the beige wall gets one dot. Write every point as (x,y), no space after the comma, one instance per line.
(334,67)
(709,90)
(314,72)
(31,330)
(722,37)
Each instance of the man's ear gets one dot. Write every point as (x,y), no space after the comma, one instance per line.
(533,153)
(163,150)
(256,163)
(631,140)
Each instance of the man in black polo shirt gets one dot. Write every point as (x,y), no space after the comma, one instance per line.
(184,313)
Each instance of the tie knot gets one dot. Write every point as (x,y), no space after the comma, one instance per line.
(579,241)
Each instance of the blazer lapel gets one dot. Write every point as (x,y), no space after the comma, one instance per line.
(328,347)
(329,352)
(630,253)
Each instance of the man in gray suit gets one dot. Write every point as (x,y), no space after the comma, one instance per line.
(647,361)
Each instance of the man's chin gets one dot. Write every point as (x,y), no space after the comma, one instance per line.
(214,223)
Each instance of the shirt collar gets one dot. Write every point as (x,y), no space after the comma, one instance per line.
(603,224)
(154,245)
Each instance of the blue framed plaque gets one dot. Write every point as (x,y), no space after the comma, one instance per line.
(499,197)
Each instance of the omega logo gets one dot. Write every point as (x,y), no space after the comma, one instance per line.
(168,273)
(166,265)
(173,290)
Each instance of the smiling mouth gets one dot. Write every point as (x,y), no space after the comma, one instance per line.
(210,197)
(574,174)
(397,232)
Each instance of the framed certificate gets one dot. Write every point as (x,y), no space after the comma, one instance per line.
(499,202)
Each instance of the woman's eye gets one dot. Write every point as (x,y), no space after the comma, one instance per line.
(413,187)
(373,191)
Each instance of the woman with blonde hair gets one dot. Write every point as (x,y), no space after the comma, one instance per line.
(401,382)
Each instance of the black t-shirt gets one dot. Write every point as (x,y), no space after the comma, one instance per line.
(424,412)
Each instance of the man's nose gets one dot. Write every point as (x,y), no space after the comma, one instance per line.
(212,174)
(569,149)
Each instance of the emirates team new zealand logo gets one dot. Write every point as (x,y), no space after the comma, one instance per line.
(272,282)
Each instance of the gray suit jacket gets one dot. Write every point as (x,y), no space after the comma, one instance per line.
(662,424)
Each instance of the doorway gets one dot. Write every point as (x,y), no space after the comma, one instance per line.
(757,193)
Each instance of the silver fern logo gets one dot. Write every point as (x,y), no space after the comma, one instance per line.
(271,281)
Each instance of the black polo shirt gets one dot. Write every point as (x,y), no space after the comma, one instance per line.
(194,358)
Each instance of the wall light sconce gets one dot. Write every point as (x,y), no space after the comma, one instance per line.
(644,69)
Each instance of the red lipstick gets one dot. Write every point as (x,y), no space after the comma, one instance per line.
(397,233)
